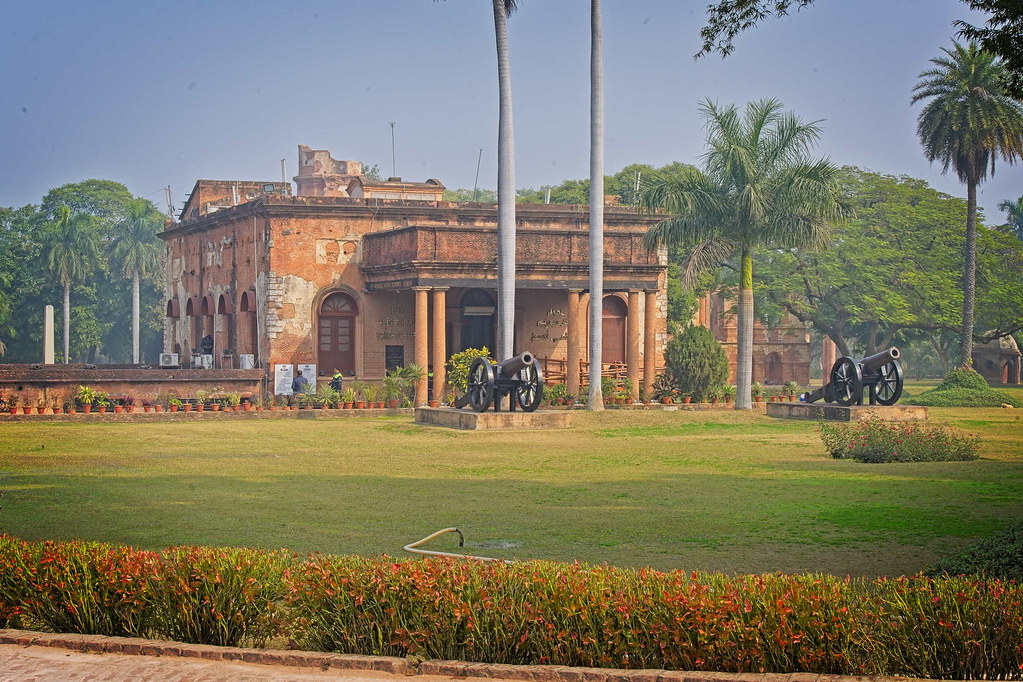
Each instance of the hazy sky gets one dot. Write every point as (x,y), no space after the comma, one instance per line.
(151,94)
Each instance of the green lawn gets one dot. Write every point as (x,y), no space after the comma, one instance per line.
(712,491)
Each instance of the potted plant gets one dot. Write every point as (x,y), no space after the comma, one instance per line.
(394,386)
(664,389)
(202,396)
(757,391)
(174,403)
(687,398)
(412,373)
(85,397)
(555,393)
(234,400)
(14,404)
(728,392)
(360,400)
(792,388)
(43,406)
(102,401)
(371,391)
(348,398)
(713,394)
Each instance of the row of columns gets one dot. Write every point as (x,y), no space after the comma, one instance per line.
(438,342)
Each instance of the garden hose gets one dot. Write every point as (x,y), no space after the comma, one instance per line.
(414,547)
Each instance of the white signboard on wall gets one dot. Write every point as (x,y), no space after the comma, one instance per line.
(309,372)
(283,376)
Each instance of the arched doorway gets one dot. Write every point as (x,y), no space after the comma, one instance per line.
(773,369)
(477,320)
(336,332)
(613,337)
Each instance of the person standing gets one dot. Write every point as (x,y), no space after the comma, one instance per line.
(336,379)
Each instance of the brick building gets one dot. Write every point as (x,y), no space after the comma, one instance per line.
(365,275)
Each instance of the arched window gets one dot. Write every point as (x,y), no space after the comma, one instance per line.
(477,320)
(613,338)
(336,333)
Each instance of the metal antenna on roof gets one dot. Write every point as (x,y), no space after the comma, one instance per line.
(394,170)
(476,184)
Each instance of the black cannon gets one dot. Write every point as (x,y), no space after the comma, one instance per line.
(519,377)
(880,373)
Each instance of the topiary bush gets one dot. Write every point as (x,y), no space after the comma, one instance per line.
(1000,556)
(963,388)
(459,364)
(878,441)
(696,361)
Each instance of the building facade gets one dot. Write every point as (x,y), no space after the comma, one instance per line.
(364,283)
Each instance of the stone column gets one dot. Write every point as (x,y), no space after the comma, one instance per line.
(48,335)
(632,346)
(829,353)
(422,345)
(572,361)
(439,341)
(649,343)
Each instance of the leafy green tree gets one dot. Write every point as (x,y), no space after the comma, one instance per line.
(72,253)
(967,122)
(1013,215)
(1002,35)
(107,200)
(138,252)
(759,189)
(695,361)
(483,196)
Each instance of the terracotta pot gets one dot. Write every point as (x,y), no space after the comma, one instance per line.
(713,401)
(666,401)
(349,406)
(102,409)
(87,408)
(118,409)
(13,410)
(392,404)
(236,408)
(360,404)
(324,406)
(248,407)
(687,399)
(758,399)
(147,408)
(158,408)
(200,407)
(187,407)
(433,403)
(792,398)
(173,408)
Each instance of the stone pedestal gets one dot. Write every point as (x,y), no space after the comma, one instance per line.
(468,420)
(837,413)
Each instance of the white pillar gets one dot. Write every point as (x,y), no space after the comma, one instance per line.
(48,335)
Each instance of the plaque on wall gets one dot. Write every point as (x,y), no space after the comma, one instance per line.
(394,356)
(283,375)
(309,372)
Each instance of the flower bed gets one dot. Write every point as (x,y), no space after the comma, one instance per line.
(528,613)
(879,441)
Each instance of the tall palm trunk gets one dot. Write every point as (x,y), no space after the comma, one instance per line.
(135,317)
(969,277)
(67,321)
(505,194)
(744,355)
(596,398)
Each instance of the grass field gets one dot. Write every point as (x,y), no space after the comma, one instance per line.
(712,491)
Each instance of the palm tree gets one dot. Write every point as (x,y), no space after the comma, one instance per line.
(139,253)
(596,399)
(72,253)
(968,121)
(1014,215)
(758,189)
(505,188)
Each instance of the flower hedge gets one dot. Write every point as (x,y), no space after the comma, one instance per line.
(525,613)
(878,441)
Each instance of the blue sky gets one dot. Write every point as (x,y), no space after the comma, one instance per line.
(152,94)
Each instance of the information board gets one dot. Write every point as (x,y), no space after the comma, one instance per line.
(283,376)
(394,356)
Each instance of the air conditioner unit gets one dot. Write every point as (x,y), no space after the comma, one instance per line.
(168,360)
(206,361)
(246,361)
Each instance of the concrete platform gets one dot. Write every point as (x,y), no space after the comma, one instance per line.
(837,413)
(468,420)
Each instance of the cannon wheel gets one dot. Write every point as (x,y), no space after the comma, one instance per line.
(847,380)
(530,389)
(481,384)
(889,386)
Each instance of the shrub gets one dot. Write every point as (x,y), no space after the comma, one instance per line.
(963,388)
(880,441)
(1000,556)
(696,361)
(458,366)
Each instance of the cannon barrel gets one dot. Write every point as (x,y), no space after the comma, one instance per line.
(873,362)
(510,367)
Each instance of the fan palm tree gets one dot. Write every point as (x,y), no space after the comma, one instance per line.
(596,399)
(139,252)
(505,187)
(758,189)
(967,123)
(72,253)
(1014,215)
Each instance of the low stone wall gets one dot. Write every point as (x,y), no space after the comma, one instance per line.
(60,382)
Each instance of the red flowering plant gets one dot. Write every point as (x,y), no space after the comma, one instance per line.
(877,441)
